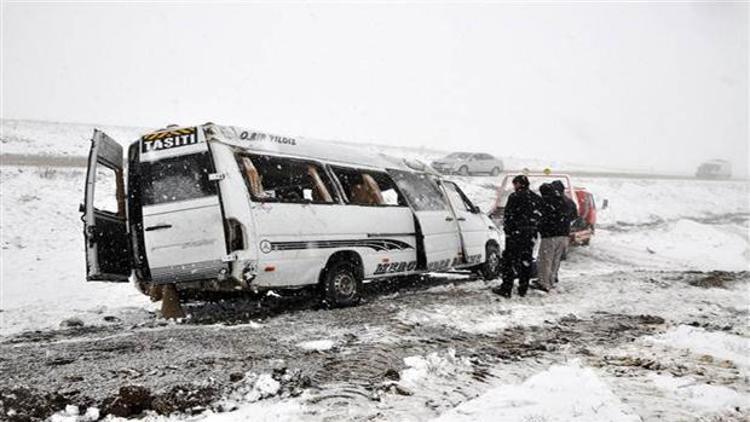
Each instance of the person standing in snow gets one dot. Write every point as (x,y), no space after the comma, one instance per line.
(520,221)
(571,210)
(554,228)
(571,213)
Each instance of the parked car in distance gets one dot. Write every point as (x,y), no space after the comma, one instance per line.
(468,163)
(714,169)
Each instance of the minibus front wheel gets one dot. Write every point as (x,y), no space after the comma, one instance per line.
(342,283)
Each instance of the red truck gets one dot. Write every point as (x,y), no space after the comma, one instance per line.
(584,227)
(581,230)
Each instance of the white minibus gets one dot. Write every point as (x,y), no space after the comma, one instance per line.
(214,207)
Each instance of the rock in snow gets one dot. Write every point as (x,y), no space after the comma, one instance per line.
(71,322)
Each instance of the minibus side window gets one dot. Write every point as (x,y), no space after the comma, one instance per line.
(421,191)
(176,179)
(366,187)
(456,198)
(456,194)
(276,179)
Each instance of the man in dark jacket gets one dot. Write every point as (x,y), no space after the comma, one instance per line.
(554,228)
(520,220)
(571,210)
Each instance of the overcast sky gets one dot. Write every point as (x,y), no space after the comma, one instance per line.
(628,85)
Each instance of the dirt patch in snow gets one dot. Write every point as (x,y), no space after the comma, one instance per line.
(159,378)
(716,279)
(20,403)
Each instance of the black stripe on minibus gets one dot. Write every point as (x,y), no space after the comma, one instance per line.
(390,234)
(376,244)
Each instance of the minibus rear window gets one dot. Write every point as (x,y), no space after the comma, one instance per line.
(176,179)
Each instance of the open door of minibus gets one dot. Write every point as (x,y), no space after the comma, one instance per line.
(438,235)
(104,217)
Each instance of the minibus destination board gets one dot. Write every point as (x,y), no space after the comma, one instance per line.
(160,141)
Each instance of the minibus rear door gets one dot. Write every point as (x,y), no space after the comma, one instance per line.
(182,216)
(105,224)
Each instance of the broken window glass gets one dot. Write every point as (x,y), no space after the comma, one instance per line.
(176,179)
(421,191)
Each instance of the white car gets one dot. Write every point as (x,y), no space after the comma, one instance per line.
(468,163)
(215,208)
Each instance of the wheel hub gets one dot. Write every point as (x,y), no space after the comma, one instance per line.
(494,262)
(344,284)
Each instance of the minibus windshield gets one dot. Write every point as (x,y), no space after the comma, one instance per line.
(176,179)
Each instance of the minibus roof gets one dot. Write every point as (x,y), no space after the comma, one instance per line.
(328,151)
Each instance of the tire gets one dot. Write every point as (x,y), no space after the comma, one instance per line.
(495,171)
(492,266)
(463,171)
(342,284)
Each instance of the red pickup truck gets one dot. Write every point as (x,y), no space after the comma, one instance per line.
(583,228)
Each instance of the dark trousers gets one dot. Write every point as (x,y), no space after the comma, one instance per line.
(517,259)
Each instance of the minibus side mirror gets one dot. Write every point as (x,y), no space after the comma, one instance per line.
(476,210)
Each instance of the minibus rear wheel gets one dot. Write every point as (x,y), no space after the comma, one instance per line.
(342,284)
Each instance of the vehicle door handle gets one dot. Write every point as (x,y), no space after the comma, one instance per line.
(158,227)
(449,218)
(461,219)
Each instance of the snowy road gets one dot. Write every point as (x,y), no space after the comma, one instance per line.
(66,161)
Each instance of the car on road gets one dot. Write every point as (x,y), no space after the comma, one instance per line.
(468,163)
(714,169)
(223,208)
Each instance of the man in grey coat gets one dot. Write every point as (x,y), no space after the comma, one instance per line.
(554,228)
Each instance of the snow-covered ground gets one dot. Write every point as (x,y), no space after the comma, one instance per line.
(650,227)
(53,138)
(559,393)
(43,264)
